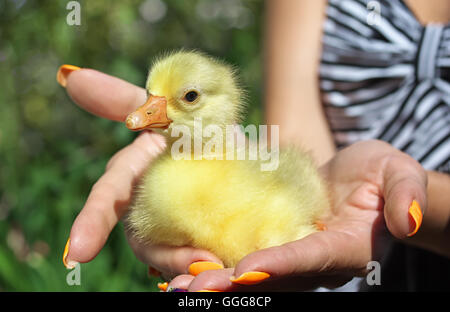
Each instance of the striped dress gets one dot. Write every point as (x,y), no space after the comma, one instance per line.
(385,76)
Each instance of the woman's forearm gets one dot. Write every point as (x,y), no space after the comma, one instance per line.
(434,233)
(292,54)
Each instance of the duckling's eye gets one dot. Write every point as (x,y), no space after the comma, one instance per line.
(191,96)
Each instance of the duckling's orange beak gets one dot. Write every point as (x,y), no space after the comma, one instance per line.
(153,114)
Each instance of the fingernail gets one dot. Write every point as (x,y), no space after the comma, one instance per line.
(163,286)
(69,264)
(415,214)
(250,278)
(153,272)
(200,266)
(63,72)
(208,290)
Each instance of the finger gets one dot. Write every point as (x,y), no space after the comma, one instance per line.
(214,280)
(110,197)
(103,95)
(180,282)
(219,280)
(404,190)
(318,253)
(171,260)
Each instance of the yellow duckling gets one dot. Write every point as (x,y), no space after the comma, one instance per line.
(229,207)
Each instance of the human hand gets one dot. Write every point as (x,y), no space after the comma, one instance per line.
(373,186)
(108,201)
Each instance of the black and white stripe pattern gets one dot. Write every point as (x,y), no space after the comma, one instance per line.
(387,81)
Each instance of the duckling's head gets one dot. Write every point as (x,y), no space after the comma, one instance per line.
(188,85)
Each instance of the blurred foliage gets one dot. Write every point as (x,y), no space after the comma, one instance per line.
(51,152)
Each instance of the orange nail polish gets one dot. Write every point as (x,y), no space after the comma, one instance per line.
(63,72)
(66,251)
(415,214)
(163,286)
(250,278)
(200,266)
(68,264)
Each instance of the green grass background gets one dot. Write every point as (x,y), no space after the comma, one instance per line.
(51,151)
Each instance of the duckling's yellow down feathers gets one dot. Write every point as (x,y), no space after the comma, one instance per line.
(229,207)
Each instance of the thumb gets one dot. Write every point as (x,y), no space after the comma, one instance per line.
(404,190)
(318,253)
